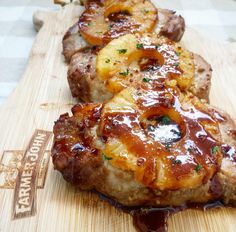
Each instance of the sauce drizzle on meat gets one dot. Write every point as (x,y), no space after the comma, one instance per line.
(188,150)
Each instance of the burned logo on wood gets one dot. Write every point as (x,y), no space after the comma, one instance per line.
(25,171)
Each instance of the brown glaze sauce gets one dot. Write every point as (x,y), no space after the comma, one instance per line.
(193,145)
(190,151)
(151,219)
(112,24)
(159,61)
(120,24)
(117,24)
(91,114)
(125,126)
(154,60)
(155,219)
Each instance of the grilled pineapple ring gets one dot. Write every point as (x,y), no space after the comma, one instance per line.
(103,21)
(168,141)
(148,58)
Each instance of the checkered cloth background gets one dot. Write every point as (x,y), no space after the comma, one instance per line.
(213,18)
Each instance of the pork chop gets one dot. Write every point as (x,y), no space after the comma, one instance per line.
(147,146)
(169,24)
(85,84)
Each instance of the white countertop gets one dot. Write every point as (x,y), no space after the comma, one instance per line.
(214,18)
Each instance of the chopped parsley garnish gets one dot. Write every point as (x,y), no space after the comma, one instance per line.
(139,46)
(176,161)
(190,149)
(165,120)
(104,157)
(198,167)
(125,73)
(110,27)
(176,64)
(151,128)
(168,146)
(107,61)
(177,53)
(146,79)
(122,51)
(99,32)
(176,132)
(145,11)
(157,46)
(89,24)
(125,12)
(214,149)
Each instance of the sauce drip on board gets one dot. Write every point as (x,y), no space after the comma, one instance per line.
(151,219)
(155,219)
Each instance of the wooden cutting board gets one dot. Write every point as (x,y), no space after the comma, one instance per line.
(47,202)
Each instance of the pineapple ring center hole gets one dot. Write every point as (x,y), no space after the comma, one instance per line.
(164,128)
(150,60)
(117,13)
(149,64)
(119,16)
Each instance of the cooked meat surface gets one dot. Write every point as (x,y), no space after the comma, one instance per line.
(95,76)
(72,42)
(149,146)
(202,80)
(82,77)
(170,25)
(165,23)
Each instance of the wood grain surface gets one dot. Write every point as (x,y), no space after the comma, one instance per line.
(43,94)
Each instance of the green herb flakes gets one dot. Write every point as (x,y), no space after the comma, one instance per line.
(190,149)
(214,149)
(110,27)
(104,157)
(176,161)
(165,120)
(145,11)
(151,128)
(139,46)
(198,167)
(146,79)
(178,53)
(168,146)
(125,73)
(122,51)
